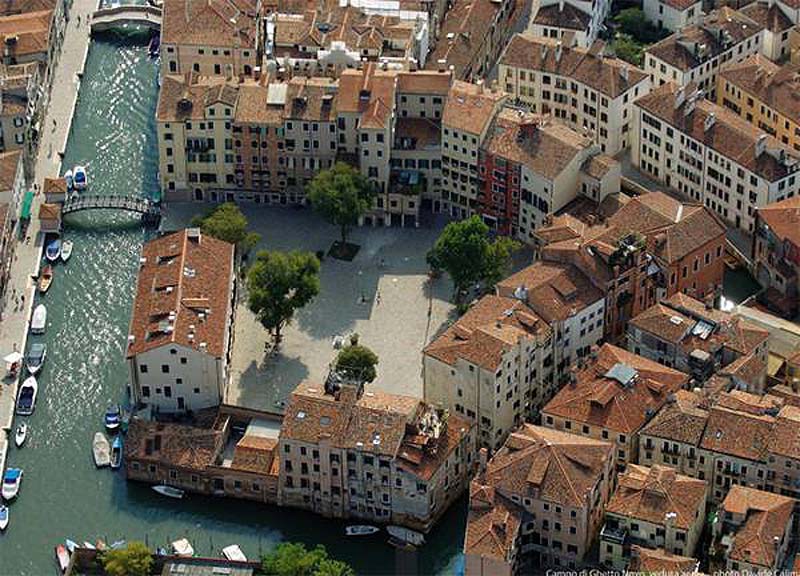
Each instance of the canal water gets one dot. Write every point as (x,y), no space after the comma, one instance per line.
(63,495)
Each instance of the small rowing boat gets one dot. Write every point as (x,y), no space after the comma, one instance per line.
(36,356)
(45,278)
(21,435)
(116,453)
(62,557)
(234,553)
(361,530)
(39,319)
(3,517)
(66,250)
(169,491)
(101,450)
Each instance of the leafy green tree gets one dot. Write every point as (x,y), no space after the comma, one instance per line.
(279,283)
(357,362)
(133,560)
(293,559)
(628,49)
(226,222)
(341,195)
(633,21)
(465,252)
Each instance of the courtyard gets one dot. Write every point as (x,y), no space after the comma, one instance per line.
(384,295)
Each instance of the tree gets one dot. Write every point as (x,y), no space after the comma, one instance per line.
(293,559)
(133,560)
(226,222)
(279,283)
(357,362)
(465,252)
(341,195)
(628,49)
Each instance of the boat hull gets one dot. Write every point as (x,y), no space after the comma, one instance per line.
(169,491)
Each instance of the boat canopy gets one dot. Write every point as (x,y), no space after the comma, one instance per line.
(27,204)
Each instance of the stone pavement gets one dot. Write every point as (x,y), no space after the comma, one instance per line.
(27,256)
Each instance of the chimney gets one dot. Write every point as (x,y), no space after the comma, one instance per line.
(483,455)
(442,64)
(624,73)
(479,83)
(761,145)
(559,48)
(680,97)
(710,120)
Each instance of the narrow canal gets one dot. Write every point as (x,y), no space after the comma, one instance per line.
(63,495)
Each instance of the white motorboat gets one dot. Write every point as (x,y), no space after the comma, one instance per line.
(53,250)
(11,481)
(68,179)
(3,517)
(182,547)
(36,356)
(71,545)
(79,179)
(234,553)
(405,535)
(62,557)
(66,250)
(39,319)
(361,530)
(20,435)
(26,399)
(101,450)
(169,491)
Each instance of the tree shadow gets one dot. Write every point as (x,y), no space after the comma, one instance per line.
(266,385)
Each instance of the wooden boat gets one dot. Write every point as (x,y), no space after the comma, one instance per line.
(169,491)
(20,435)
(3,517)
(26,399)
(36,357)
(406,535)
(116,453)
(66,250)
(101,450)
(53,250)
(11,482)
(45,279)
(234,553)
(62,557)
(39,319)
(361,530)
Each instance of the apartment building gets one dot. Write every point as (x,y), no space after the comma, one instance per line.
(13,121)
(638,250)
(696,53)
(753,531)
(652,507)
(494,365)
(711,155)
(585,88)
(25,36)
(209,37)
(471,37)
(659,561)
(764,94)
(611,397)
(673,15)
(530,166)
(694,338)
(538,503)
(180,334)
(575,22)
(776,253)
(567,300)
(777,19)
(466,120)
(351,453)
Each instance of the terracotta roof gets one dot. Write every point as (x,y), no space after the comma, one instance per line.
(598,166)
(783,219)
(54,186)
(312,99)
(185,97)
(774,86)
(682,419)
(562,15)
(769,17)
(490,328)
(786,435)
(649,494)
(554,291)
(13,105)
(470,107)
(545,146)
(424,82)
(254,454)
(31,30)
(9,162)
(183,294)
(556,466)
(678,49)
(9,7)
(179,445)
(600,400)
(49,211)
(252,106)
(766,518)
(659,562)
(369,92)
(225,23)
(493,524)
(738,433)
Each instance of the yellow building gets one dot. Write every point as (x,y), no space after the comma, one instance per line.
(765,95)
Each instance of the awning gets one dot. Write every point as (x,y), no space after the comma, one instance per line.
(13,358)
(27,203)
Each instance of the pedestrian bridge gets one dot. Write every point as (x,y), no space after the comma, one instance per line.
(117,16)
(149,210)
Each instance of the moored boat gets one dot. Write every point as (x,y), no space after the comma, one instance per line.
(406,535)
(68,179)
(113,418)
(169,491)
(71,545)
(66,250)
(3,517)
(26,399)
(53,250)
(101,450)
(11,482)
(45,278)
(36,356)
(182,547)
(116,453)
(361,530)
(79,179)
(39,319)
(20,435)
(234,553)
(62,557)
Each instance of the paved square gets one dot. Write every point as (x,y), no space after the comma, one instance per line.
(401,312)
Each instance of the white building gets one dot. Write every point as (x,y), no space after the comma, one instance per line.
(673,14)
(709,154)
(181,325)
(576,22)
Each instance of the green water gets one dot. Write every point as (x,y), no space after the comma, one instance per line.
(63,495)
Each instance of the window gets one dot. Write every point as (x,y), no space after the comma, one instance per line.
(143,368)
(165,368)
(145,391)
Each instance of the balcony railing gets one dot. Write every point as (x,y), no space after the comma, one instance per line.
(614,534)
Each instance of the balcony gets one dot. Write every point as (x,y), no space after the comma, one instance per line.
(613,534)
(407,182)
